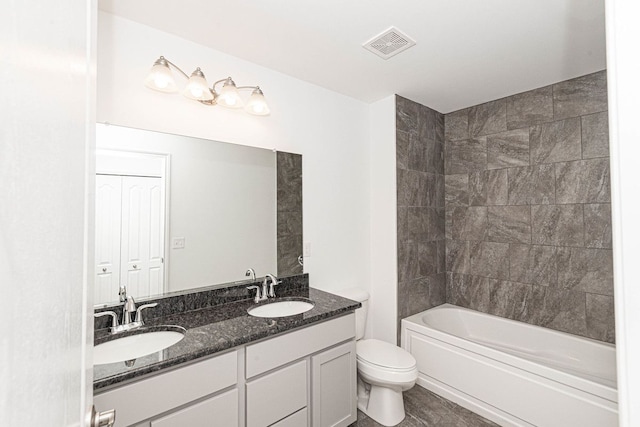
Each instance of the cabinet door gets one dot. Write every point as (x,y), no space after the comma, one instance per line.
(217,411)
(333,386)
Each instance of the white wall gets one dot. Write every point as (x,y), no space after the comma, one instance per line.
(222,201)
(328,129)
(623,71)
(384,248)
(46,140)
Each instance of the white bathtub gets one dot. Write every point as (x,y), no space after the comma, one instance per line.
(513,373)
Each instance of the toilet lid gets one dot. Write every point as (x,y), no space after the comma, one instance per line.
(383,354)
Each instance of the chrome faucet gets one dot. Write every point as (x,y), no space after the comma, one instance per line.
(128,308)
(274,281)
(251,272)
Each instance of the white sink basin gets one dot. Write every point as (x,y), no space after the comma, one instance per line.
(134,346)
(280,309)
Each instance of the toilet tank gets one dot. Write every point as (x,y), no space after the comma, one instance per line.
(361,296)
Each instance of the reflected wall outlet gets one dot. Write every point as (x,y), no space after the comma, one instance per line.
(177,243)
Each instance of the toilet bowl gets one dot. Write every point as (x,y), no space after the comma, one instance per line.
(384,370)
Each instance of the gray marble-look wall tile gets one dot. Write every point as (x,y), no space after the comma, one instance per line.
(532,185)
(457,256)
(435,157)
(509,224)
(436,224)
(406,114)
(289,249)
(402,150)
(511,300)
(595,135)
(469,223)
(559,141)
(408,187)
(583,181)
(580,96)
(587,270)
(428,190)
(473,292)
(437,289)
(408,267)
(601,318)
(456,125)
(464,156)
(417,154)
(489,259)
(532,264)
(418,223)
(289,181)
(427,258)
(403,224)
(530,108)
(563,310)
(439,127)
(488,118)
(508,149)
(413,296)
(441,256)
(456,190)
(426,122)
(488,187)
(559,225)
(597,225)
(289,223)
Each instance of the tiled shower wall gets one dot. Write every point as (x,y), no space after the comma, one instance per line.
(289,212)
(528,221)
(420,207)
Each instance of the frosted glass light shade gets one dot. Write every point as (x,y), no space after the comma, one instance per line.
(197,87)
(229,96)
(256,104)
(160,78)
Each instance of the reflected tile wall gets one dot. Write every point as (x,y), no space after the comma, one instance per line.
(420,205)
(527,207)
(289,215)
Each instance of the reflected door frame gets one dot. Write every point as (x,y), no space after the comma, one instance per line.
(138,164)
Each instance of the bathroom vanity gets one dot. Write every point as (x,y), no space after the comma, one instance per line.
(232,369)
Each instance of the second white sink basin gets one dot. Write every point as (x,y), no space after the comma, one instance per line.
(133,346)
(280,309)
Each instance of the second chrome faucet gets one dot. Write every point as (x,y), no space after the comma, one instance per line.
(268,284)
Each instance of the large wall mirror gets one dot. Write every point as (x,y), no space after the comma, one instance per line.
(176,213)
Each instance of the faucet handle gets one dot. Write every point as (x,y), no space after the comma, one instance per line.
(114,316)
(272,292)
(139,312)
(256,299)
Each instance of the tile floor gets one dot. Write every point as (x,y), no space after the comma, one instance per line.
(424,408)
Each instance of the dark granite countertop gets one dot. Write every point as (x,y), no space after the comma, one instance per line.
(215,329)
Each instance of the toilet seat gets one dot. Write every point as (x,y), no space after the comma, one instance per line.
(384,355)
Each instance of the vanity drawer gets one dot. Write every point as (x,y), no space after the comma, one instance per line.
(298,419)
(277,395)
(218,411)
(146,398)
(266,355)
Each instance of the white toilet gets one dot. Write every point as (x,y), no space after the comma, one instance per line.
(384,370)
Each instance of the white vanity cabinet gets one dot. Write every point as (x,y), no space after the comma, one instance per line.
(306,377)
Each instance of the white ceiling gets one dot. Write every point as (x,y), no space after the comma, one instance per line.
(467,52)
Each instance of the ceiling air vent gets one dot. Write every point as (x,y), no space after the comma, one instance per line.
(389,43)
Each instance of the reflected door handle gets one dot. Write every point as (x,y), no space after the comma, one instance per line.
(103,419)
(104,269)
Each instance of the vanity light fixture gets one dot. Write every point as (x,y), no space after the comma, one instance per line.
(160,78)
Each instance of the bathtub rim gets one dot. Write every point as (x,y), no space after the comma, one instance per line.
(414,323)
